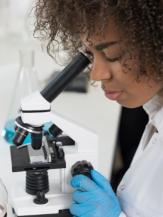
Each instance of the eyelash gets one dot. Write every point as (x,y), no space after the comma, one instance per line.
(114,59)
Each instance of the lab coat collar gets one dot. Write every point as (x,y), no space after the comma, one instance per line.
(154,109)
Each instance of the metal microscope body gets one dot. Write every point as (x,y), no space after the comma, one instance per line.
(59,195)
(35,112)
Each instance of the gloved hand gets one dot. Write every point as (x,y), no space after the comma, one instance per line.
(93,198)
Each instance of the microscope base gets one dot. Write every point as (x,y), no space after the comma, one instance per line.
(62,213)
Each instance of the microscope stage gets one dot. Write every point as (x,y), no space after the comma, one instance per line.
(21,160)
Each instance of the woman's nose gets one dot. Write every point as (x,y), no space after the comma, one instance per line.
(100,70)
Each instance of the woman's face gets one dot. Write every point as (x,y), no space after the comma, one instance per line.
(119,82)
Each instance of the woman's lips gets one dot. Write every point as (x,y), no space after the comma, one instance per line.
(113,95)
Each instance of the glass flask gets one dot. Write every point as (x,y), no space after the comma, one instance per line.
(3,199)
(26,83)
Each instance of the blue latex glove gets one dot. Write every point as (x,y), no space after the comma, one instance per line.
(93,198)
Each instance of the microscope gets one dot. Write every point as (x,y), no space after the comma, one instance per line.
(44,168)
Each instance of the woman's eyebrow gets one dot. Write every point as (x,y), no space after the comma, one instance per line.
(105,45)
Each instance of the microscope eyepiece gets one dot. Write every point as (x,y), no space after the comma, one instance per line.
(59,83)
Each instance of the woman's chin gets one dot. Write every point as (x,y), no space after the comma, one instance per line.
(129,104)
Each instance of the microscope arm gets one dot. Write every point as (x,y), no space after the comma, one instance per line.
(35,109)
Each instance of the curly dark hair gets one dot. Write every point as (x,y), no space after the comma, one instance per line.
(140,20)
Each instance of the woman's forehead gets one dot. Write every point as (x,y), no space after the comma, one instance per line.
(109,35)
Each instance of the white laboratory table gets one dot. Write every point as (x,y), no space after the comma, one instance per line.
(91,110)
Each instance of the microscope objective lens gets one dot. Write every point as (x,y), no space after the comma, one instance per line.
(9,132)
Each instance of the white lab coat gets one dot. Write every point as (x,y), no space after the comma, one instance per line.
(141,190)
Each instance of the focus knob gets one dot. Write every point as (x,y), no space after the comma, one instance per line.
(82,167)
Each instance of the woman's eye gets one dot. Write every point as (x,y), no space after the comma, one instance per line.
(114,53)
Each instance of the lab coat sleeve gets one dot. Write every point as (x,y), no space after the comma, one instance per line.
(122,214)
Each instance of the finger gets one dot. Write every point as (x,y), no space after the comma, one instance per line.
(81,209)
(89,214)
(102,182)
(83,183)
(82,196)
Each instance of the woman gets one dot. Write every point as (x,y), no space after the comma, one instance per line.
(124,40)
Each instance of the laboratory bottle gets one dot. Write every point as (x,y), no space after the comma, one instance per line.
(26,83)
